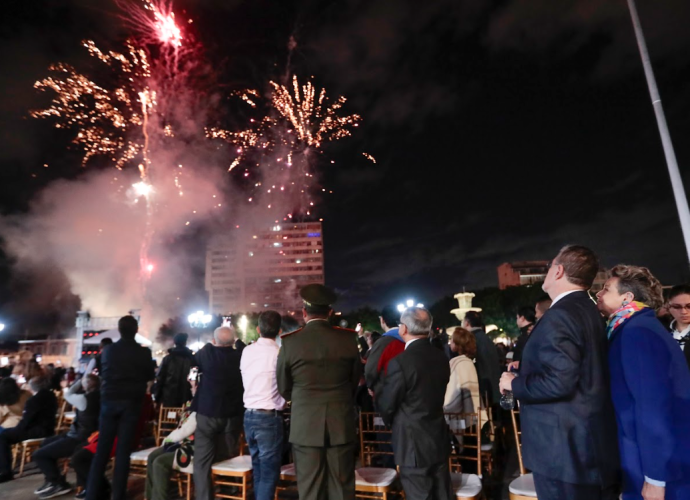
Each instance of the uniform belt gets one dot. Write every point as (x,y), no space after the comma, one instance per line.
(274,412)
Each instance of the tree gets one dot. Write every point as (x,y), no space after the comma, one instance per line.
(499,307)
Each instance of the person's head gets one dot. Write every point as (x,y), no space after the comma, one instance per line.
(679,305)
(90,382)
(473,319)
(626,284)
(9,391)
(269,324)
(390,318)
(574,268)
(525,316)
(224,335)
(317,300)
(372,338)
(415,322)
(38,383)
(541,307)
(288,324)
(105,341)
(128,327)
(463,342)
(180,339)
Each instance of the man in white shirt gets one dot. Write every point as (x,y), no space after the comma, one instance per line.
(263,418)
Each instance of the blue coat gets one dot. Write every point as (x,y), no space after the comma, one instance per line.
(650,386)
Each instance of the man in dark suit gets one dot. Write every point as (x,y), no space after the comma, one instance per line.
(318,370)
(568,423)
(411,402)
(220,408)
(126,369)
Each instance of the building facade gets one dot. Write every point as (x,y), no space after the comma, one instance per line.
(264,270)
(526,272)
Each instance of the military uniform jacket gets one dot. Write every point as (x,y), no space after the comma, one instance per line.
(319,370)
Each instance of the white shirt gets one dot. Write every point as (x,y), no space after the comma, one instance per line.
(407,344)
(676,334)
(258,367)
(563,295)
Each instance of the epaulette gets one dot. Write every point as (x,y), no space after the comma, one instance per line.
(347,330)
(290,333)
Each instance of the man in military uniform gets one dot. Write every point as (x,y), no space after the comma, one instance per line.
(319,370)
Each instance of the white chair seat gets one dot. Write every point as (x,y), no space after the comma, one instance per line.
(523,485)
(466,485)
(69,415)
(242,463)
(374,476)
(141,455)
(487,447)
(288,471)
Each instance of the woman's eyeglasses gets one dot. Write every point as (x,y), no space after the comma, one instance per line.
(679,307)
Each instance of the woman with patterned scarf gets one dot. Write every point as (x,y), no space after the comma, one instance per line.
(650,387)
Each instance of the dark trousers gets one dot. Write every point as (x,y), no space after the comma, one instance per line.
(8,437)
(51,450)
(264,434)
(119,419)
(427,483)
(159,467)
(215,439)
(553,489)
(81,463)
(325,473)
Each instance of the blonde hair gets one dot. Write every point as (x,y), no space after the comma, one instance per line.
(640,282)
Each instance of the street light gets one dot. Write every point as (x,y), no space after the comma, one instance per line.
(199,320)
(2,326)
(408,303)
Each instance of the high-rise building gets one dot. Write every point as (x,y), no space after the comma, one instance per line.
(522,273)
(265,269)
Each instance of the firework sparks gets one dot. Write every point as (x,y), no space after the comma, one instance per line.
(369,157)
(154,21)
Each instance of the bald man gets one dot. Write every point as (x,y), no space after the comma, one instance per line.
(220,408)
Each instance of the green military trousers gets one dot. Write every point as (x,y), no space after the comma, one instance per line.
(325,473)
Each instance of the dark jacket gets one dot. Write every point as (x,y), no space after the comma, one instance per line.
(172,386)
(372,375)
(38,419)
(411,402)
(650,386)
(318,370)
(220,391)
(521,341)
(86,422)
(567,418)
(488,366)
(127,367)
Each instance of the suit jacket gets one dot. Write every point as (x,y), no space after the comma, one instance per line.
(411,402)
(650,384)
(126,368)
(488,366)
(220,393)
(318,370)
(567,418)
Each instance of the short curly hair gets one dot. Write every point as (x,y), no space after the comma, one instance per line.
(465,342)
(640,282)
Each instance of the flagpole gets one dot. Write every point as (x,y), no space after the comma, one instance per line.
(676,180)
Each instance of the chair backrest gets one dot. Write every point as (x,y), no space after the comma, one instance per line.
(487,408)
(467,429)
(515,416)
(375,437)
(168,420)
(62,407)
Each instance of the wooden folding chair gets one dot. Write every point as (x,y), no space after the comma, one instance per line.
(467,428)
(168,420)
(488,448)
(375,441)
(23,451)
(521,488)
(233,473)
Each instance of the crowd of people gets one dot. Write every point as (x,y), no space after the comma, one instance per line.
(603,388)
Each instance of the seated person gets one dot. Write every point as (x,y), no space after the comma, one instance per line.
(38,422)
(88,408)
(12,402)
(176,453)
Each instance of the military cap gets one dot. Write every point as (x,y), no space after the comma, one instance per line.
(317,296)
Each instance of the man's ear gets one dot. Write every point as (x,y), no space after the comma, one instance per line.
(258,330)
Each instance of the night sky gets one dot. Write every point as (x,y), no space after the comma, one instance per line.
(502,130)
